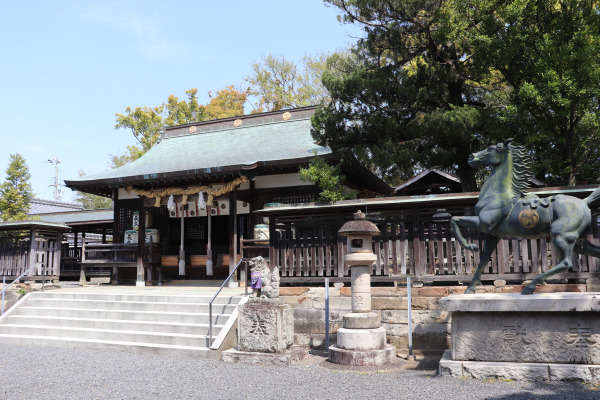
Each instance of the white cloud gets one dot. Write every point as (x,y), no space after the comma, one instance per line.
(144,29)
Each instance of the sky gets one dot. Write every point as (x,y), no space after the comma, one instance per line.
(69,66)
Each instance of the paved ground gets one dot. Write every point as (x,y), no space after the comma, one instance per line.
(48,373)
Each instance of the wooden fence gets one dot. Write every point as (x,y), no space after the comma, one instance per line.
(16,256)
(417,242)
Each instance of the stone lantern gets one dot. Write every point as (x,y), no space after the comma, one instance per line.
(362,340)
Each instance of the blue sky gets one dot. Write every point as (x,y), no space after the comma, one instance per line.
(69,66)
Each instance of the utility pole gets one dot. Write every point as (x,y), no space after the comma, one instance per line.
(57,184)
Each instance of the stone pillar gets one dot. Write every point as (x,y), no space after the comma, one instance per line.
(361,288)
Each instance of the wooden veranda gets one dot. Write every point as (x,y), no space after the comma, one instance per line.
(416,241)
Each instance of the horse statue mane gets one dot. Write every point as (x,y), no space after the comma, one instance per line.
(521,176)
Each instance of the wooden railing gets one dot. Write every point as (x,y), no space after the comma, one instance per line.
(16,256)
(418,246)
(114,253)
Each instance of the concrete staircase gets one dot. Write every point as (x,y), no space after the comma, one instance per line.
(148,323)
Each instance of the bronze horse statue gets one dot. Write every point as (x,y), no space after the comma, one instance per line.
(504,209)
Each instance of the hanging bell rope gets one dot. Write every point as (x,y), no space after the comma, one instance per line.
(170,191)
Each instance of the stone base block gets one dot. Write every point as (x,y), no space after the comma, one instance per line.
(265,326)
(361,339)
(382,356)
(289,357)
(518,371)
(361,321)
(559,328)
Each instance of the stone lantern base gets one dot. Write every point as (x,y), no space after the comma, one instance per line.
(363,358)
(362,342)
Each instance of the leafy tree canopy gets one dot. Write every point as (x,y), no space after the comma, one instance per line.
(146,123)
(279,83)
(16,192)
(328,178)
(227,103)
(433,81)
(548,51)
(409,97)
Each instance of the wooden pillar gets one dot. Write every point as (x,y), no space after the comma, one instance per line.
(32,251)
(340,246)
(56,255)
(116,227)
(252,202)
(82,278)
(233,236)
(140,279)
(209,255)
(273,258)
(75,237)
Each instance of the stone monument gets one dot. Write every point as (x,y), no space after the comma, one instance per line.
(362,340)
(265,325)
(545,336)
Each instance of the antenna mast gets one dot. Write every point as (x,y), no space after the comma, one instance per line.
(57,184)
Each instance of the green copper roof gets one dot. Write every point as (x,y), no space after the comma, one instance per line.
(231,144)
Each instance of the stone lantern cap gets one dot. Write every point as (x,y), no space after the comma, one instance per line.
(360,226)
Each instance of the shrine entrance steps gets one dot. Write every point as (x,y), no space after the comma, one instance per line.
(142,323)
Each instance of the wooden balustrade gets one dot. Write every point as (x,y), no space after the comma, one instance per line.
(422,247)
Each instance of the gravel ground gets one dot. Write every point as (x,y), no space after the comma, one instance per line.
(50,373)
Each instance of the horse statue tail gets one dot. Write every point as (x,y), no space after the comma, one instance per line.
(593,198)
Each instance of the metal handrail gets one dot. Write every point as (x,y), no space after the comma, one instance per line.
(210,303)
(4,287)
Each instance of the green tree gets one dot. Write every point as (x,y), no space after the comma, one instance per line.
(410,96)
(279,83)
(16,192)
(433,81)
(227,103)
(548,51)
(328,178)
(91,201)
(133,153)
(146,123)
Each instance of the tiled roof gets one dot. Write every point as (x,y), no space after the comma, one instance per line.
(80,217)
(39,206)
(209,147)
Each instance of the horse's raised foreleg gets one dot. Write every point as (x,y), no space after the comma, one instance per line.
(489,244)
(467,222)
(564,244)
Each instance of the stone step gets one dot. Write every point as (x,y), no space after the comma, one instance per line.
(202,299)
(162,324)
(122,305)
(114,324)
(106,335)
(128,315)
(99,344)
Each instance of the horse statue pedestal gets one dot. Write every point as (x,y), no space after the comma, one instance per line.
(546,336)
